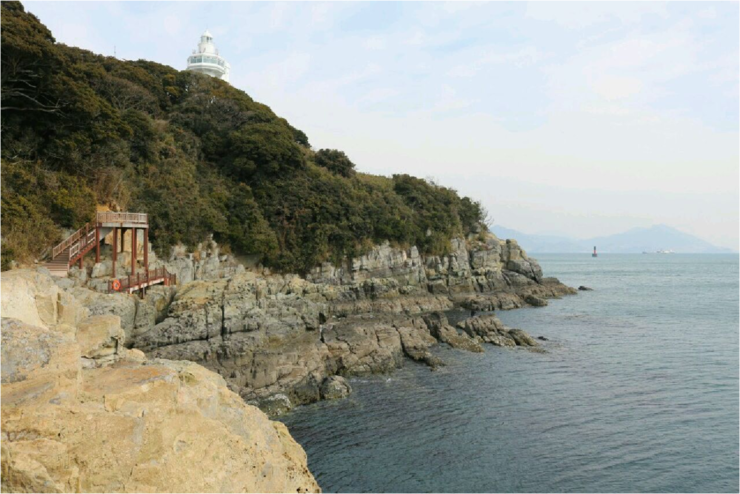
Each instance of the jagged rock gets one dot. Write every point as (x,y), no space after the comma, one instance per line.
(271,334)
(489,329)
(364,347)
(103,269)
(522,338)
(478,303)
(306,391)
(517,261)
(416,343)
(151,309)
(585,288)
(542,338)
(118,304)
(335,387)
(138,425)
(182,267)
(33,298)
(535,301)
(481,325)
(100,337)
(276,405)
(441,330)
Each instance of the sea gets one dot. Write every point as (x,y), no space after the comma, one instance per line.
(637,392)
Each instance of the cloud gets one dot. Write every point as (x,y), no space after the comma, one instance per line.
(277,15)
(374,43)
(614,88)
(637,69)
(289,70)
(581,15)
(455,7)
(519,58)
(626,99)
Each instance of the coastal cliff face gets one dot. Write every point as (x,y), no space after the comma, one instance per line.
(81,412)
(281,340)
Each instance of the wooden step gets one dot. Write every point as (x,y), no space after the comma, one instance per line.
(59,266)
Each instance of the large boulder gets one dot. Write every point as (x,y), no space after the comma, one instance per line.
(335,387)
(118,304)
(136,425)
(522,338)
(362,347)
(100,338)
(535,301)
(441,330)
(33,298)
(416,343)
(488,328)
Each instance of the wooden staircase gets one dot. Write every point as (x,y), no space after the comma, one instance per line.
(59,266)
(87,238)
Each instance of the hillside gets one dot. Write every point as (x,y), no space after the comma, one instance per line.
(200,156)
(634,241)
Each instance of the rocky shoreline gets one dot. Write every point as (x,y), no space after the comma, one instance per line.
(280,340)
(120,375)
(82,413)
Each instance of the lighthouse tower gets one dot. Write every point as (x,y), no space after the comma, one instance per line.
(206,60)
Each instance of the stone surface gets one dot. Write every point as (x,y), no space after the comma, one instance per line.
(416,342)
(522,338)
(335,387)
(118,304)
(441,330)
(100,337)
(282,334)
(535,301)
(135,425)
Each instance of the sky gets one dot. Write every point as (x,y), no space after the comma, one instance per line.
(573,118)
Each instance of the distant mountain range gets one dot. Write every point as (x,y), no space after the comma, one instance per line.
(634,241)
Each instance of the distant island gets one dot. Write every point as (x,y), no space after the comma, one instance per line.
(635,241)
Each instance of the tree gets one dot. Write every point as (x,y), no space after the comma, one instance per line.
(335,161)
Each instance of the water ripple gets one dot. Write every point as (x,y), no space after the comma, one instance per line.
(638,392)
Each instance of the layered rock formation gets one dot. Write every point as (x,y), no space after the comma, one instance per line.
(81,412)
(278,339)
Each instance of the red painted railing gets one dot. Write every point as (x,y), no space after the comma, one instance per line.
(79,240)
(139,280)
(111,217)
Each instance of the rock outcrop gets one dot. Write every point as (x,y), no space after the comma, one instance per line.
(335,387)
(277,338)
(83,413)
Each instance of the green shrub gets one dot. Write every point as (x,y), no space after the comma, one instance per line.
(200,156)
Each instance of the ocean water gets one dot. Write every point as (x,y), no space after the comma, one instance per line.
(638,391)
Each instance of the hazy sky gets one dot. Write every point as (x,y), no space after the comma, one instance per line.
(582,119)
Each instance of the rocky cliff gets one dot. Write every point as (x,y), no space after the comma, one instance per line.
(81,412)
(280,340)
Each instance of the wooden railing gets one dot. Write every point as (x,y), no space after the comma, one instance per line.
(89,229)
(111,217)
(86,239)
(136,281)
(68,242)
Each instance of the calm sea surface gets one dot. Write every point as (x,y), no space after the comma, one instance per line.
(638,391)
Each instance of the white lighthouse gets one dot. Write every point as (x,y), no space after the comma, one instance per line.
(206,59)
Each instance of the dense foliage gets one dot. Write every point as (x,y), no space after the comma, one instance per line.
(198,155)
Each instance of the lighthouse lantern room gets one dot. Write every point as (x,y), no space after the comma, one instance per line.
(206,60)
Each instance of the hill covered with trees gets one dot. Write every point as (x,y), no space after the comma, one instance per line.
(200,156)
